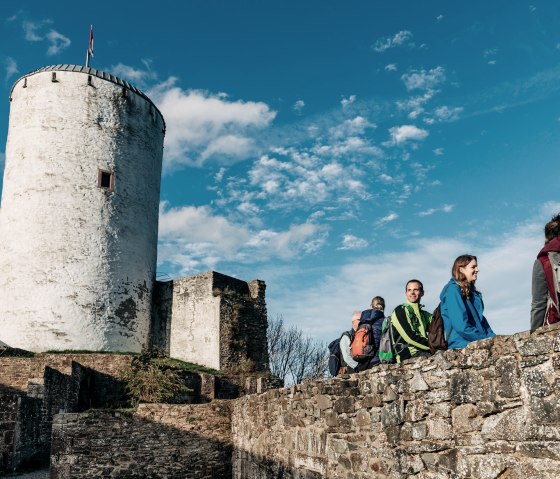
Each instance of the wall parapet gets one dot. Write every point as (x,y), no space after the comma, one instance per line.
(487,411)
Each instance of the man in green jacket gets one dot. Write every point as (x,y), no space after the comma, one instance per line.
(409,324)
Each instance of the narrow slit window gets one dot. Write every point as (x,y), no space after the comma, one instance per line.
(106,180)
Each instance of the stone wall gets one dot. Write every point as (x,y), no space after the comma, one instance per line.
(213,320)
(158,441)
(491,410)
(34,389)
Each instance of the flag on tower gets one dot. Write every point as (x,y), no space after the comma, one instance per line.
(91,40)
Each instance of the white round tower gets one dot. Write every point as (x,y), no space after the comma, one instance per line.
(79,212)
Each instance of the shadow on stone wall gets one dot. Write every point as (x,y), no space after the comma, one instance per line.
(158,441)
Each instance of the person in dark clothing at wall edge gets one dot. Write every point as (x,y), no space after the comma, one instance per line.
(545,308)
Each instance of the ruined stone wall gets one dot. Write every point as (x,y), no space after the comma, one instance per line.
(213,320)
(158,441)
(34,389)
(491,410)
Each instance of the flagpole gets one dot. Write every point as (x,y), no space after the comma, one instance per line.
(87,58)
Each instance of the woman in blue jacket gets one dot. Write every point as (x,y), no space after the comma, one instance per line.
(462,307)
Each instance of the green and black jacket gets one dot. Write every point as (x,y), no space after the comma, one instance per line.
(409,324)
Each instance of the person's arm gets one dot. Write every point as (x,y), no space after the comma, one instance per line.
(346,352)
(457,310)
(540,295)
(401,324)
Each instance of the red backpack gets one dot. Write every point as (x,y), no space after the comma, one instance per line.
(363,346)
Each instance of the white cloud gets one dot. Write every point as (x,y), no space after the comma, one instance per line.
(491,62)
(201,125)
(351,242)
(345,102)
(387,219)
(299,105)
(134,75)
(438,151)
(423,79)
(11,68)
(430,211)
(391,67)
(33,33)
(401,38)
(30,30)
(351,127)
(404,133)
(445,113)
(439,18)
(58,42)
(195,238)
(506,261)
(415,105)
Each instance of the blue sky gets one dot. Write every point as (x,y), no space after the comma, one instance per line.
(334,149)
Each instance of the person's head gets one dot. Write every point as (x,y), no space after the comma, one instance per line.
(378,303)
(465,271)
(414,290)
(356,315)
(552,228)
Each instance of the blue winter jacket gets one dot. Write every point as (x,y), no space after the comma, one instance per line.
(463,318)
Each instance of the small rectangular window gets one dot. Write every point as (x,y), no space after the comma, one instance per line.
(106,180)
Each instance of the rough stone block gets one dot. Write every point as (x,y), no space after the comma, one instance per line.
(438,428)
(464,418)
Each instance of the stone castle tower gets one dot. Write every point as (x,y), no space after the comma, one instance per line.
(79,212)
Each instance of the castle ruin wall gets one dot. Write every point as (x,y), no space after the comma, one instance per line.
(213,320)
(491,410)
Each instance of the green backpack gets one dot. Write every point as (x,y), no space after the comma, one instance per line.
(386,355)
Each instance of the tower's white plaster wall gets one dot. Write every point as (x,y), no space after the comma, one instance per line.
(194,334)
(77,262)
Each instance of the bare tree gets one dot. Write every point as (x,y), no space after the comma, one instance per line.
(294,357)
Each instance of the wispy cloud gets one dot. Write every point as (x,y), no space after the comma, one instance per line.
(443,209)
(11,68)
(351,242)
(438,151)
(404,37)
(391,67)
(445,113)
(34,32)
(387,219)
(416,105)
(346,102)
(299,105)
(203,126)
(58,42)
(405,133)
(424,79)
(136,76)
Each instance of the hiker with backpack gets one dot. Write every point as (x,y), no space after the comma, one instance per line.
(462,307)
(545,304)
(340,350)
(365,345)
(407,327)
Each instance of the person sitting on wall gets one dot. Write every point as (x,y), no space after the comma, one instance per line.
(347,364)
(545,304)
(374,316)
(462,308)
(409,324)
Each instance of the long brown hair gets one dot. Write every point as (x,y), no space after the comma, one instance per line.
(466,287)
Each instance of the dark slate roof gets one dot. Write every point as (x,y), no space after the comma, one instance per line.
(93,72)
